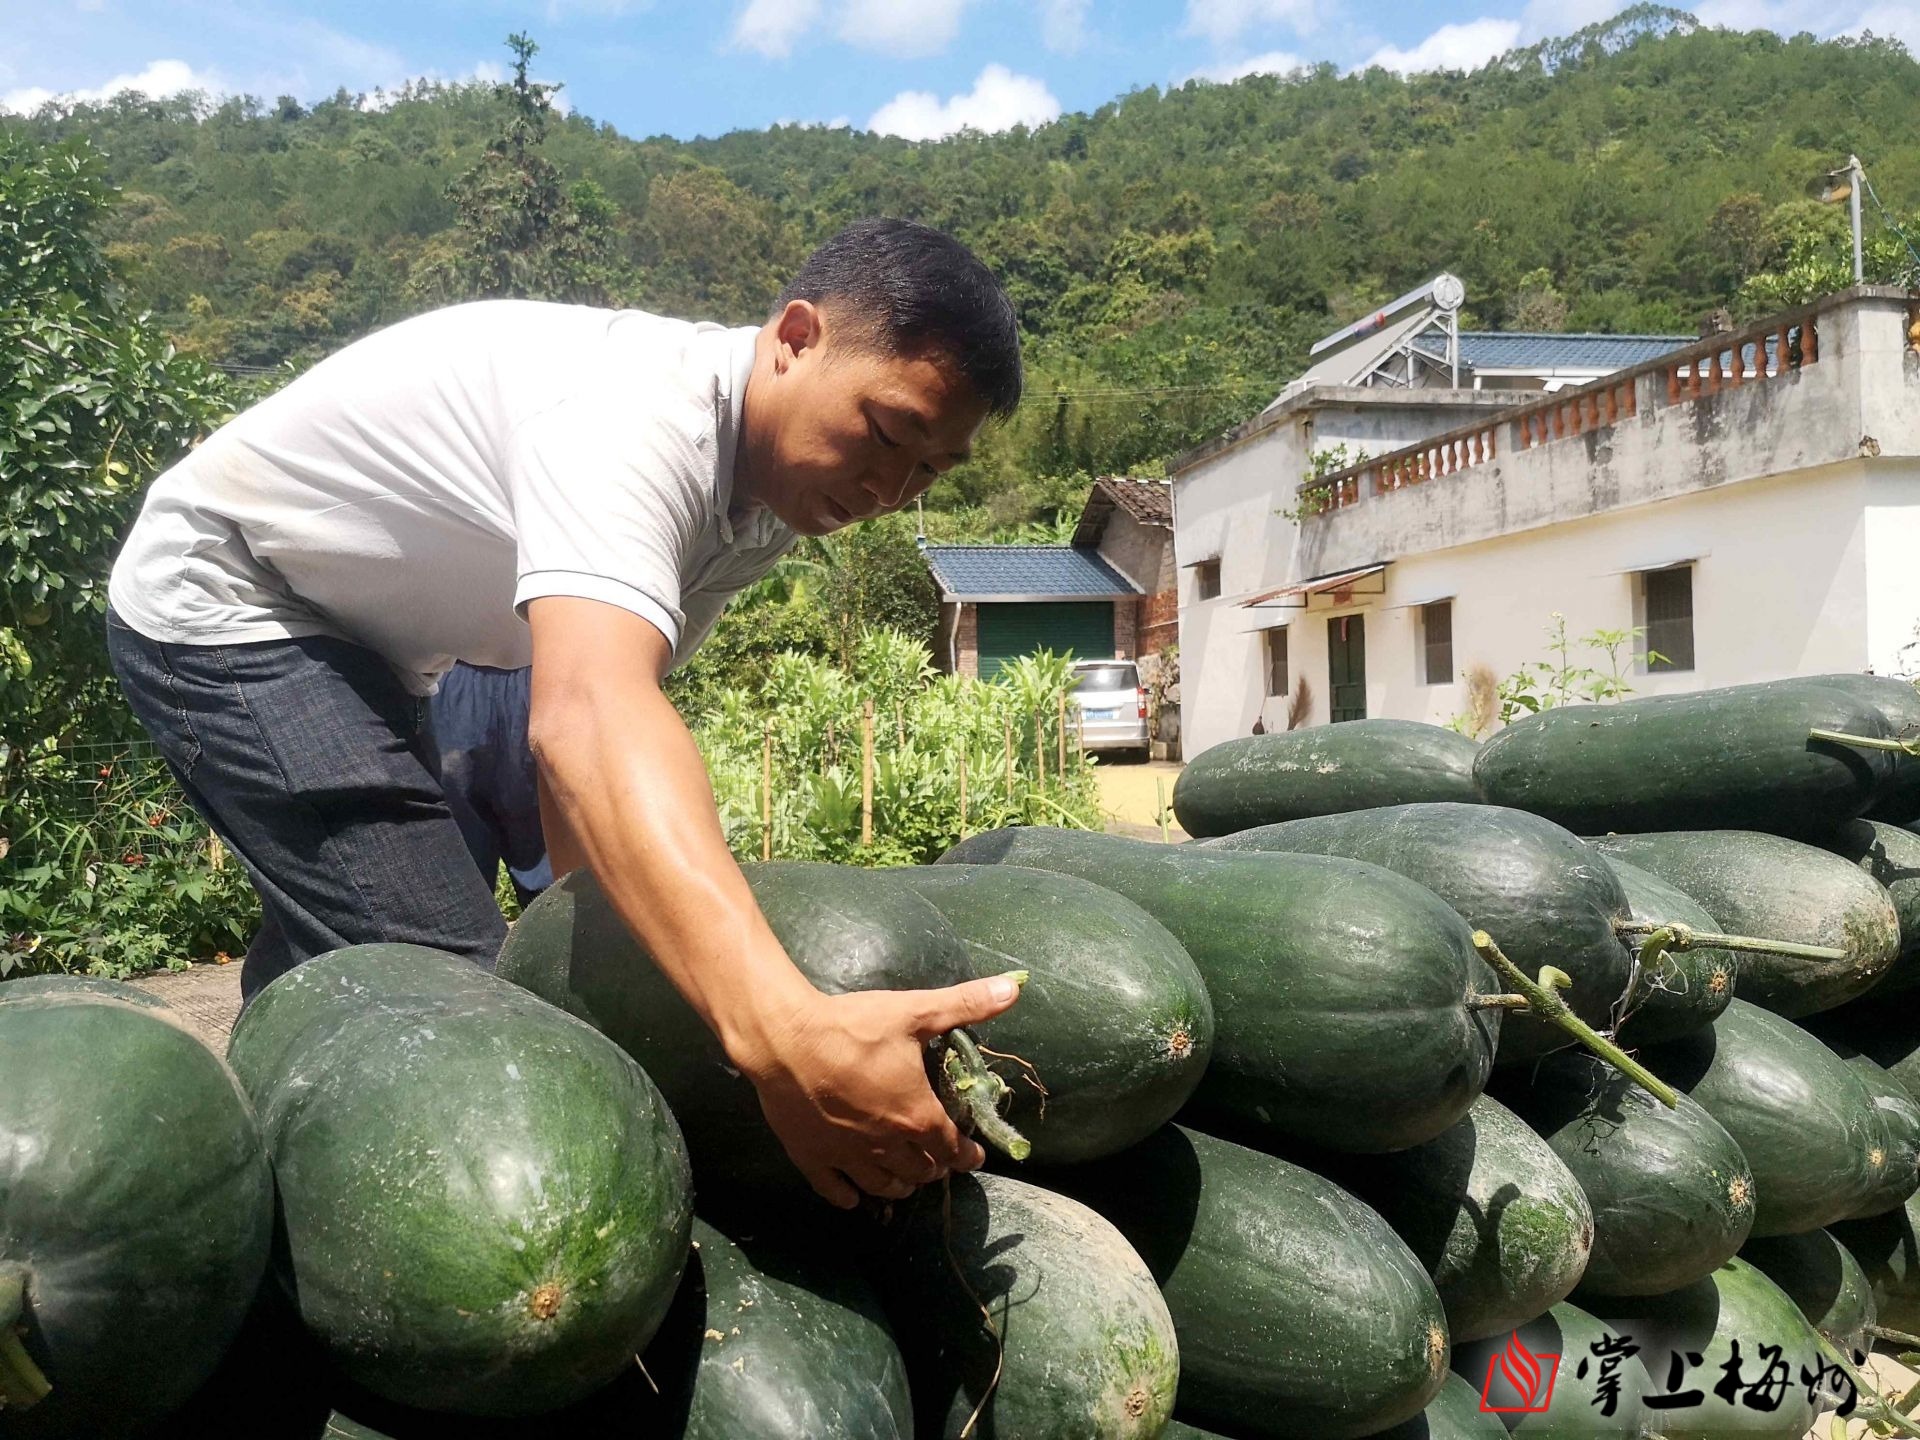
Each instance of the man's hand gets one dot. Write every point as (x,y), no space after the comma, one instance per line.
(843,1082)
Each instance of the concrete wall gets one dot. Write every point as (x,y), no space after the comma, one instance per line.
(1893,566)
(1228,503)
(1797,499)
(1780,587)
(1862,396)
(1137,551)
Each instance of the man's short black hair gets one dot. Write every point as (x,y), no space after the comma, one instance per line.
(915,291)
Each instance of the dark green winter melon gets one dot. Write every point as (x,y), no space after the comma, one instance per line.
(1891,855)
(1535,1374)
(1898,799)
(1672,1194)
(1803,1120)
(1080,1338)
(1342,993)
(136,1210)
(1881,1032)
(1821,1277)
(767,1341)
(1454,1414)
(845,929)
(1683,989)
(1735,1309)
(1498,1220)
(1114,1025)
(1775,889)
(1889,1252)
(1299,1311)
(1898,1116)
(1542,894)
(485,1204)
(1325,770)
(1732,759)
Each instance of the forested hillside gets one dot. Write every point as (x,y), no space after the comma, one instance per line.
(1173,253)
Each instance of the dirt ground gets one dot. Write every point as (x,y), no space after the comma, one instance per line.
(1132,794)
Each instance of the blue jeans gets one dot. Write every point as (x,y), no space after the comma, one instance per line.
(315,766)
(487,770)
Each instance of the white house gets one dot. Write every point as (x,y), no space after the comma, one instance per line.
(1751,500)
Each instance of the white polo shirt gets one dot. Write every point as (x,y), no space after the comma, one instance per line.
(413,491)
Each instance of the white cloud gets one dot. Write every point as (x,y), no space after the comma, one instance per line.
(1896,22)
(1063,24)
(1788,17)
(1274,62)
(771,26)
(998,101)
(161,78)
(925,27)
(1225,21)
(1464,46)
(1544,19)
(485,72)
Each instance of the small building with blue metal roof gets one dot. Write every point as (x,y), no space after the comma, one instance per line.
(1109,594)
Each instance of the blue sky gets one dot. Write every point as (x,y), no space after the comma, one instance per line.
(914,67)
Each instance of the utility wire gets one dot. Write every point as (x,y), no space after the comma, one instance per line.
(1888,219)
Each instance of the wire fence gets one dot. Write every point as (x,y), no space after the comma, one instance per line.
(113,801)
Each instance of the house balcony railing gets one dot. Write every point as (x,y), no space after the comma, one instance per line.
(1780,345)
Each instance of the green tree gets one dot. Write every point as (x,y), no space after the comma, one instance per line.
(877,578)
(93,402)
(520,230)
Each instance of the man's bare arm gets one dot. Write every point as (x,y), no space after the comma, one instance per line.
(624,791)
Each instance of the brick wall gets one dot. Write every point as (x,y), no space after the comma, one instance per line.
(1159,622)
(969,641)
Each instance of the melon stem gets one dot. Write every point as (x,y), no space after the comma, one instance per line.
(1543,999)
(22,1386)
(975,1090)
(1672,935)
(1877,1407)
(1894,1337)
(1866,742)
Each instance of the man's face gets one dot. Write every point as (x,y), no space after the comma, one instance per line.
(843,431)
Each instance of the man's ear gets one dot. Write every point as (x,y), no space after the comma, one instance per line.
(800,328)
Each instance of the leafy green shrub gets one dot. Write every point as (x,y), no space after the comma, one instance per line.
(93,403)
(927,728)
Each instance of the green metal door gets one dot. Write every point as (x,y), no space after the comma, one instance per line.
(1347,667)
(1009,631)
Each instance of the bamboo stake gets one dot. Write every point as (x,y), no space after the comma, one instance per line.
(766,792)
(900,721)
(1039,751)
(1160,814)
(1009,759)
(963,792)
(1062,771)
(866,775)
